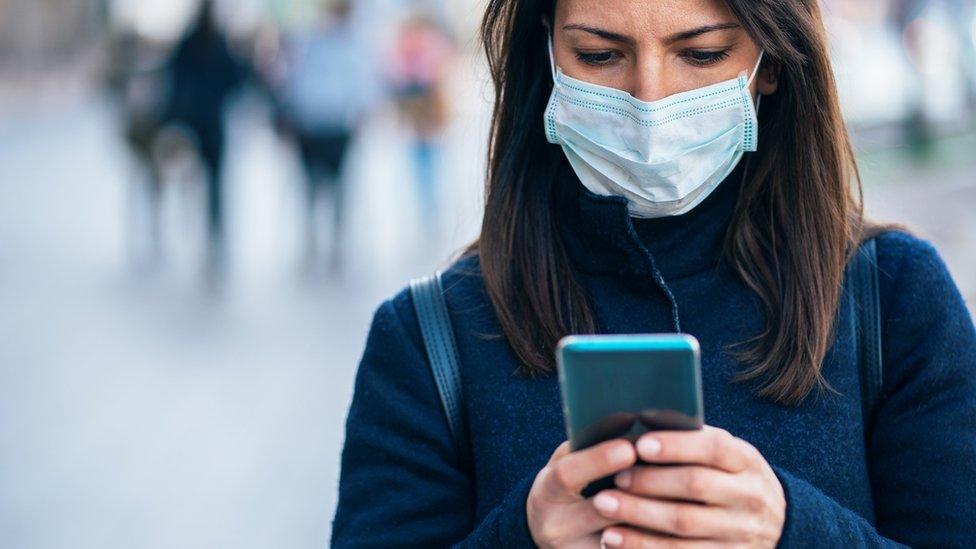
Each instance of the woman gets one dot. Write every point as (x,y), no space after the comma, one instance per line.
(653,215)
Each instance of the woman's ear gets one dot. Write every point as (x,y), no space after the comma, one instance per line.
(769,77)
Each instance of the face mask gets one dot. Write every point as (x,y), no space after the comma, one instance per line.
(664,156)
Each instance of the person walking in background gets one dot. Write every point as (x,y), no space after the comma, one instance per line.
(326,92)
(909,19)
(203,73)
(135,81)
(914,125)
(962,21)
(421,59)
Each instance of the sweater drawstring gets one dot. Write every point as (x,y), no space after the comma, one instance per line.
(663,285)
(659,278)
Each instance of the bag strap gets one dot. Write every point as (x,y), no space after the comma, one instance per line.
(435,326)
(866,303)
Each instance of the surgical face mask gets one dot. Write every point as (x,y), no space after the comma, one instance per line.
(664,156)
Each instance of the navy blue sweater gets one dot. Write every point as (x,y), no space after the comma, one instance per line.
(913,482)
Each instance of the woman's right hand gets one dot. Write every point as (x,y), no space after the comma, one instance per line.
(558,515)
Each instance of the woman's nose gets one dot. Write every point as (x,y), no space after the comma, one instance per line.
(650,82)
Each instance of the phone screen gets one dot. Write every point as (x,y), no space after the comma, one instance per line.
(621,386)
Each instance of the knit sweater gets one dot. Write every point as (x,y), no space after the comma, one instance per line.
(913,482)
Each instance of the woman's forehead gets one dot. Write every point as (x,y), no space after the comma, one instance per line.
(655,19)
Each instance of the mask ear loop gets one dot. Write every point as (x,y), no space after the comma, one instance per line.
(552,58)
(755,71)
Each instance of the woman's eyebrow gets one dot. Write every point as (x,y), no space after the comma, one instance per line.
(601,33)
(677,37)
(685,35)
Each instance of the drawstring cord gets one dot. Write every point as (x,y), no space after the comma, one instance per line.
(659,278)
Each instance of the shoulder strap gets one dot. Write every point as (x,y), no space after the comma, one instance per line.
(435,326)
(867,323)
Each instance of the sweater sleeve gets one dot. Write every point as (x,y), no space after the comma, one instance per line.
(923,449)
(814,517)
(922,452)
(400,483)
(507,524)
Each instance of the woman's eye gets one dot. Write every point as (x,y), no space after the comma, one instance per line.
(596,58)
(703,58)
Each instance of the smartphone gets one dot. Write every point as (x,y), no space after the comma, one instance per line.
(622,386)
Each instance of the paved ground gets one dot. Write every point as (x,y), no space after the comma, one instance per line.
(139,411)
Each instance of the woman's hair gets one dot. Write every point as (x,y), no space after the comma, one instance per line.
(797,221)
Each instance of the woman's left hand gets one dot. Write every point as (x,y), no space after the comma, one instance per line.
(715,489)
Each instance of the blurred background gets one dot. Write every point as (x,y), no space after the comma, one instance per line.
(201,205)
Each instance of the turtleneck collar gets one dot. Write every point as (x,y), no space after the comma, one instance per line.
(602,238)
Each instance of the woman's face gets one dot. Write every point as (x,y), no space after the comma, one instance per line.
(654,49)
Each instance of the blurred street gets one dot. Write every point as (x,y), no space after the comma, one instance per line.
(150,412)
(142,407)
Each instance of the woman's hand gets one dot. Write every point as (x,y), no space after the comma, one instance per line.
(716,489)
(558,515)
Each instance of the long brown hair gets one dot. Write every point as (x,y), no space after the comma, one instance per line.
(798,217)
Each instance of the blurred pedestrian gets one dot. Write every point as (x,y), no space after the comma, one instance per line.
(203,74)
(910,18)
(327,92)
(136,84)
(421,60)
(904,14)
(962,22)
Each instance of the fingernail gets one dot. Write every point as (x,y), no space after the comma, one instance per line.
(611,538)
(648,446)
(606,503)
(623,479)
(621,454)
